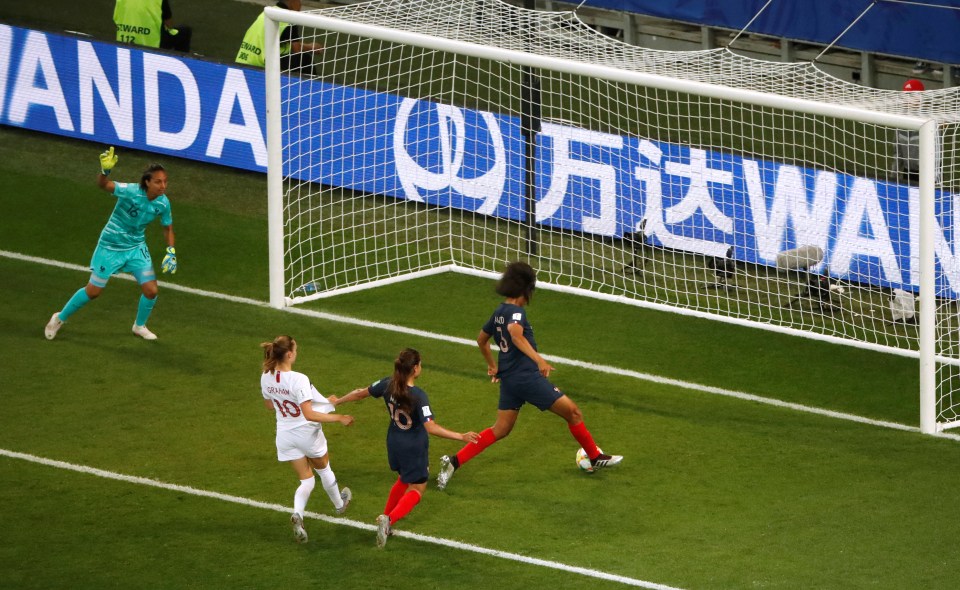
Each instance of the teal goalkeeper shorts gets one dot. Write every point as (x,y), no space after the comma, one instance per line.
(105,263)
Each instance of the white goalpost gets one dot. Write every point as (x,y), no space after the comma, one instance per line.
(458,135)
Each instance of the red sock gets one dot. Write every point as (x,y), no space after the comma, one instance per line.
(404,506)
(471,450)
(583,437)
(396,492)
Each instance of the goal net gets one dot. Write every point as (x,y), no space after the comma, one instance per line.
(458,135)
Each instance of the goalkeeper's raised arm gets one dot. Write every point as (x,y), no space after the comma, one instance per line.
(122,246)
(108,160)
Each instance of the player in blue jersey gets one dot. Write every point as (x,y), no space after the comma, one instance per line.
(122,246)
(522,374)
(408,445)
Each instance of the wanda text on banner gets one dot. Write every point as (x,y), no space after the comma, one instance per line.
(692,199)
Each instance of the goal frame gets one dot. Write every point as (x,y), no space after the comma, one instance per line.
(924,127)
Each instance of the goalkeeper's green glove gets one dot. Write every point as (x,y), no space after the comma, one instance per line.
(107,161)
(169,264)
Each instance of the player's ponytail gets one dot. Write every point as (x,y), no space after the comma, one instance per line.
(274,352)
(403,367)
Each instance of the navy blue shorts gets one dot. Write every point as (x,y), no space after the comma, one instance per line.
(537,391)
(411,462)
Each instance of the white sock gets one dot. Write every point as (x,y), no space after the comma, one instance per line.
(329,482)
(303,494)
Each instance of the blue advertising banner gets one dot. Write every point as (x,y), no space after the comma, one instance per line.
(122,96)
(684,197)
(925,30)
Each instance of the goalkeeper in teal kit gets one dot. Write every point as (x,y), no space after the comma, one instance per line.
(122,247)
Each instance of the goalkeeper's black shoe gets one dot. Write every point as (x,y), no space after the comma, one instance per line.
(603,460)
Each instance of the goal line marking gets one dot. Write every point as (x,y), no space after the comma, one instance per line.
(334,520)
(467,342)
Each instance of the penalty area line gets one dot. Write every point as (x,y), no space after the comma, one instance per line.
(144,481)
(467,342)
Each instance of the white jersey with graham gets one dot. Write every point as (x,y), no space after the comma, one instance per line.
(287,390)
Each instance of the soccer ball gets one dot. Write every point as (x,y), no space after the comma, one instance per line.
(583,461)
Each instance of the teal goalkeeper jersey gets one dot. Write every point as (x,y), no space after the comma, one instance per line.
(132,214)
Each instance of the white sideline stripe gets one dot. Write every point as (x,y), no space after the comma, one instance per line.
(554,359)
(333,520)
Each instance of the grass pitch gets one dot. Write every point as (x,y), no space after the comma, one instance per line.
(714,493)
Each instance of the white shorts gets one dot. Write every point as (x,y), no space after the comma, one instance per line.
(304,441)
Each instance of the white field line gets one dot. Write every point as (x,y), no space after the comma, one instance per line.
(467,342)
(333,520)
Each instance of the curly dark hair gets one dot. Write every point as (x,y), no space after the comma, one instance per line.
(518,280)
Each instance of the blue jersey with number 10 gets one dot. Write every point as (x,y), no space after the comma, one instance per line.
(131,215)
(511,361)
(404,426)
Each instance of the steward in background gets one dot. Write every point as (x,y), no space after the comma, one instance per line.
(150,23)
(295,56)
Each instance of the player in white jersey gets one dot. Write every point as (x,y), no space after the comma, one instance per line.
(300,409)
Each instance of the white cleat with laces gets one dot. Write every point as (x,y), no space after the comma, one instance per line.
(383,530)
(346,495)
(299,533)
(144,332)
(446,472)
(53,326)
(603,460)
